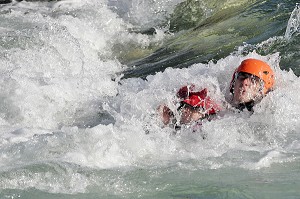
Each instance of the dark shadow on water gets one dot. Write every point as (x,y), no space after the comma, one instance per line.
(91,114)
(89,121)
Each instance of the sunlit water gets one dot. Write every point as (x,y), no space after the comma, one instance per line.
(72,127)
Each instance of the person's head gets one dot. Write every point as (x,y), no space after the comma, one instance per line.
(196,107)
(251,81)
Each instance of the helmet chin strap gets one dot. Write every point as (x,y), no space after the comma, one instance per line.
(247,105)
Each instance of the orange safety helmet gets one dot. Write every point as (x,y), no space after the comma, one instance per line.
(258,68)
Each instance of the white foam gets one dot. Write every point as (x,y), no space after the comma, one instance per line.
(62,75)
(145,14)
(126,143)
(271,157)
(60,69)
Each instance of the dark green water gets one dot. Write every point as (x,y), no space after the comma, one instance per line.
(228,27)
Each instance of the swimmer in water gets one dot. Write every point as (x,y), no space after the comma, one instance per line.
(193,107)
(251,81)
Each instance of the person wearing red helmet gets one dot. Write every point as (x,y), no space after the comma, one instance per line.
(251,81)
(194,106)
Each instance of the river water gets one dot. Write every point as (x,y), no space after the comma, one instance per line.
(81,81)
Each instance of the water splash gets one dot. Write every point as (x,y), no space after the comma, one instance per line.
(293,23)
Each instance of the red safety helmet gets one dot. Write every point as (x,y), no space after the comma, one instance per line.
(186,91)
(201,100)
(258,68)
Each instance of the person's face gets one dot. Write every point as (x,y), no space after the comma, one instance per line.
(190,115)
(247,87)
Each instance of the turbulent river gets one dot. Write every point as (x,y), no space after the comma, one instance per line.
(80,81)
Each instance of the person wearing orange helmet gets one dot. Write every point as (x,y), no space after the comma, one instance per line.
(193,107)
(251,81)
